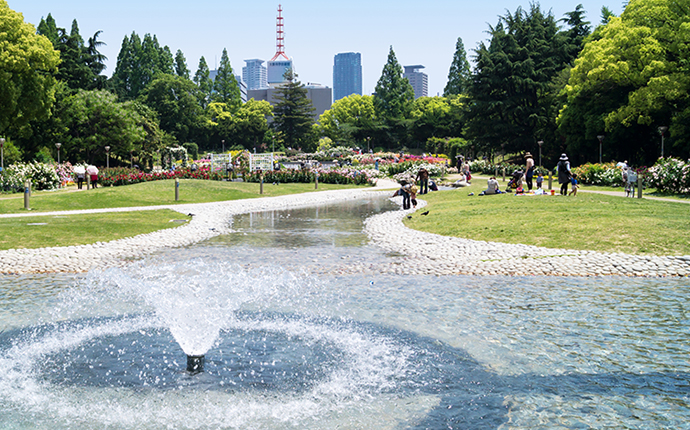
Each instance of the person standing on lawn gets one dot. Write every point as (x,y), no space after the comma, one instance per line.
(564,174)
(529,170)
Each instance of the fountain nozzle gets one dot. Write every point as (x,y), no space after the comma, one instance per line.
(195,364)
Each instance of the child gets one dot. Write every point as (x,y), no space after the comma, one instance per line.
(413,195)
(573,183)
(540,181)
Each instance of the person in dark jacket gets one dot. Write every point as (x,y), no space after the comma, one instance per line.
(564,174)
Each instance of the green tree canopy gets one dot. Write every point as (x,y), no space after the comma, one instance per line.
(225,88)
(349,121)
(176,101)
(95,119)
(632,79)
(138,63)
(294,112)
(510,107)
(28,63)
(459,78)
(437,117)
(393,93)
(244,126)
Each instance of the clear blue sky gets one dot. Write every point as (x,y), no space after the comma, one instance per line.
(420,32)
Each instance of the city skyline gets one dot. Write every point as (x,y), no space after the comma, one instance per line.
(314,32)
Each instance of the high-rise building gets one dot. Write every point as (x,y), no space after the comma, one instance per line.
(347,75)
(418,79)
(254,74)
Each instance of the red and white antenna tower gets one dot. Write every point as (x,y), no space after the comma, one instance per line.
(280,37)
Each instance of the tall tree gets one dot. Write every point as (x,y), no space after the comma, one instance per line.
(28,64)
(393,100)
(48,28)
(176,101)
(225,88)
(459,78)
(181,68)
(294,112)
(509,104)
(634,78)
(138,63)
(349,121)
(202,79)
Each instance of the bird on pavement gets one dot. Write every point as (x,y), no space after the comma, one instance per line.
(425,213)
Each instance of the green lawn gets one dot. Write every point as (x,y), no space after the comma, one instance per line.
(587,221)
(46,231)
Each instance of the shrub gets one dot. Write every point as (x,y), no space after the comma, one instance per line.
(606,174)
(670,175)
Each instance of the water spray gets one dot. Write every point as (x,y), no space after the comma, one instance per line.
(195,364)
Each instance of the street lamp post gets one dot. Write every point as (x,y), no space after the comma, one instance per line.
(2,153)
(223,143)
(540,143)
(107,157)
(662,130)
(58,145)
(601,139)
(368,143)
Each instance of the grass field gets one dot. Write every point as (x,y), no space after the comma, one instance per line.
(587,221)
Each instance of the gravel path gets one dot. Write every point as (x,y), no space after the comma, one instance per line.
(423,253)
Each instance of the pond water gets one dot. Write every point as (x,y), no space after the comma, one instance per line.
(292,340)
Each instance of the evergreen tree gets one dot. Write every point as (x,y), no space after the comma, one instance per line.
(459,78)
(225,88)
(394,93)
(293,115)
(579,30)
(96,61)
(181,68)
(48,28)
(510,104)
(138,63)
(393,101)
(202,79)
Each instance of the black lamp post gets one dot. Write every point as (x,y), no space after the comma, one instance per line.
(2,153)
(58,145)
(601,139)
(223,143)
(540,143)
(107,157)
(662,130)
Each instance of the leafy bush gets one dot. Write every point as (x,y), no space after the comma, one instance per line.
(42,175)
(670,175)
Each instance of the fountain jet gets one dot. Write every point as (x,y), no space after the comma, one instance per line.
(195,364)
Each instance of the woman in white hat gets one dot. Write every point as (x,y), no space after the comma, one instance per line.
(563,168)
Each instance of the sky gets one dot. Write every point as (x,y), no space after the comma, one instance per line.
(420,32)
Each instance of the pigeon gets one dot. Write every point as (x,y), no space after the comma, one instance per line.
(190,214)
(409,217)
(425,213)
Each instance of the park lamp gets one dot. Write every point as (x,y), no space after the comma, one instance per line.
(107,156)
(662,129)
(58,145)
(540,143)
(601,140)
(2,153)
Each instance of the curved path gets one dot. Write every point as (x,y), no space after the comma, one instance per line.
(423,253)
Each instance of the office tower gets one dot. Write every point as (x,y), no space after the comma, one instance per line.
(254,74)
(347,75)
(418,79)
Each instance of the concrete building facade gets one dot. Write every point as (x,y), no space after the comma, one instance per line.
(418,79)
(254,74)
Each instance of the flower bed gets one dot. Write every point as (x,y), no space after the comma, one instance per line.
(326,176)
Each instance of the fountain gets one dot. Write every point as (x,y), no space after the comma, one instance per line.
(293,328)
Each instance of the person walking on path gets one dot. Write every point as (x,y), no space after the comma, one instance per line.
(423,178)
(529,170)
(573,183)
(564,174)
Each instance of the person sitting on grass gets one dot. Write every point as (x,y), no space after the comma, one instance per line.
(491,187)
